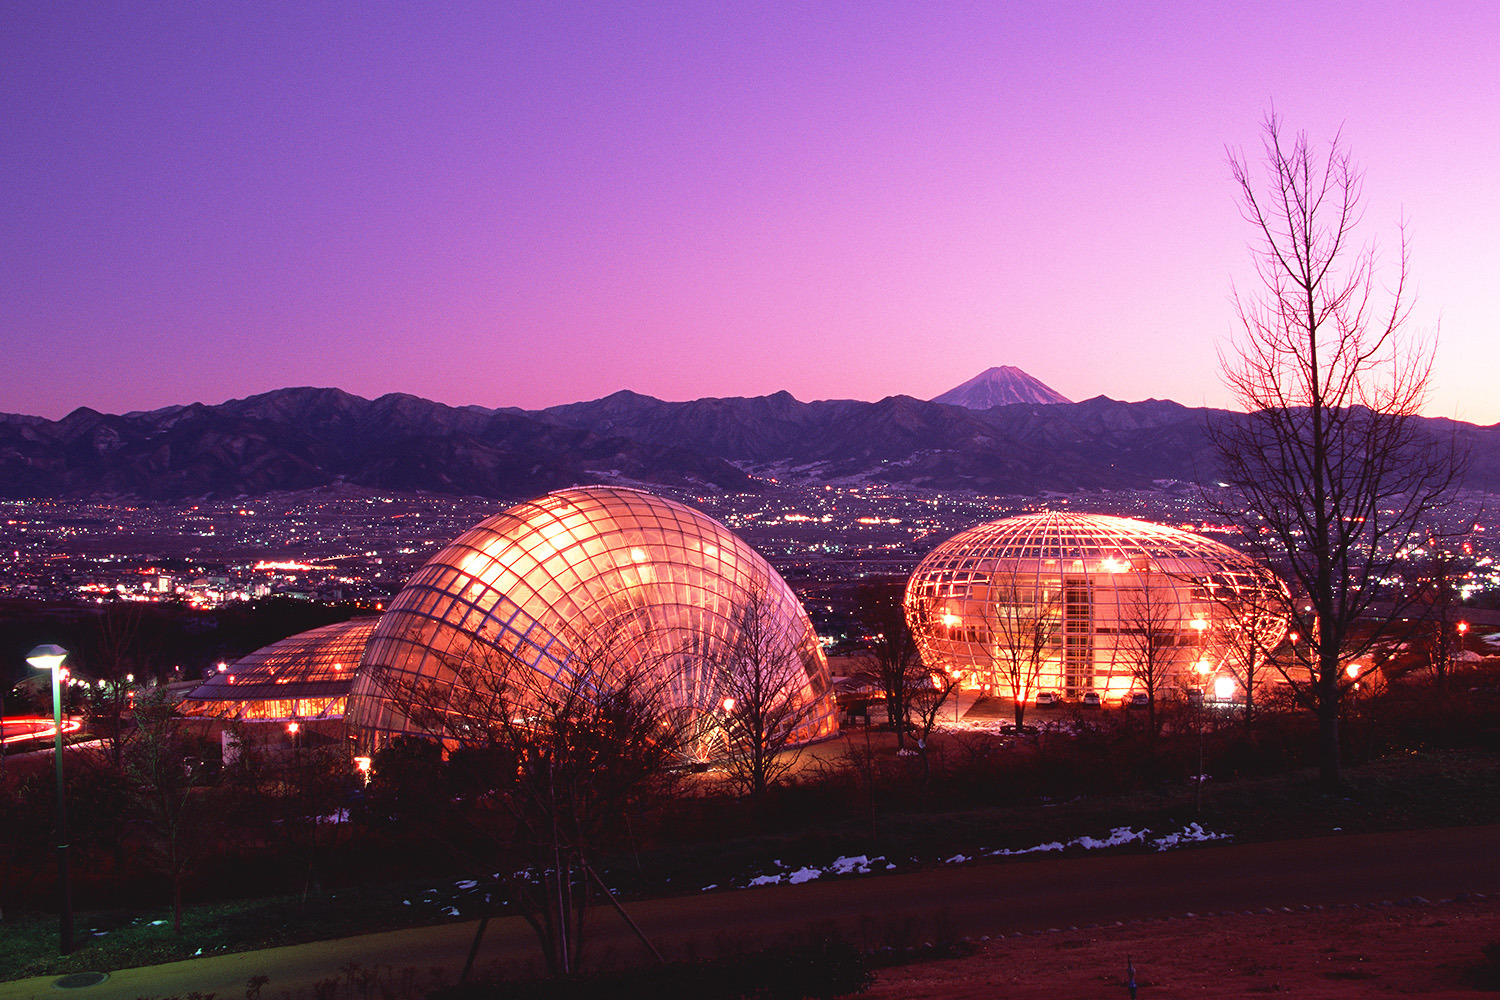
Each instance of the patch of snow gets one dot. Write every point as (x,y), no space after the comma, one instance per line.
(765,880)
(957,859)
(708,887)
(1193,833)
(803,875)
(859,864)
(1118,837)
(1005,852)
(452,911)
(1190,834)
(467,883)
(157,923)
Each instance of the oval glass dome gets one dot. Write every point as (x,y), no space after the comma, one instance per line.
(1078,603)
(577,586)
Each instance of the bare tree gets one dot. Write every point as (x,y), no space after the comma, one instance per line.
(1150,622)
(1025,625)
(926,701)
(1433,579)
(1245,626)
(120,654)
(761,670)
(1328,473)
(177,813)
(890,657)
(557,762)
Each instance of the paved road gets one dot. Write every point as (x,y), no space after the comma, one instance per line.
(973,900)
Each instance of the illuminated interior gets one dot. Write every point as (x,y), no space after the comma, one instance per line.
(1093,596)
(305,676)
(548,584)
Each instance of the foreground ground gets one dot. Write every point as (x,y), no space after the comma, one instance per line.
(1318,952)
(1428,950)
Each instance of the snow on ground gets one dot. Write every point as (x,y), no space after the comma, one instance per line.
(1190,834)
(1120,836)
(466,893)
(859,864)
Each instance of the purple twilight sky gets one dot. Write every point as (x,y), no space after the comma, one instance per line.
(535,203)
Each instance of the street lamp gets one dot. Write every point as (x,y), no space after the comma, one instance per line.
(50,657)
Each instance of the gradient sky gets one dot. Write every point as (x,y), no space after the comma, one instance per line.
(527,204)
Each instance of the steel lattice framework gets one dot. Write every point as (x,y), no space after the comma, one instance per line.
(1093,593)
(305,676)
(551,582)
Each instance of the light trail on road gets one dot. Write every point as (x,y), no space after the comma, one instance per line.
(25,728)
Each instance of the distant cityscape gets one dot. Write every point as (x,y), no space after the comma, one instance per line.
(350,545)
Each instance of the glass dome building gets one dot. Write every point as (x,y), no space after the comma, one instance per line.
(551,584)
(1092,603)
(305,676)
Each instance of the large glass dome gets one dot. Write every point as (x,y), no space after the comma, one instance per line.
(550,583)
(1091,603)
(305,676)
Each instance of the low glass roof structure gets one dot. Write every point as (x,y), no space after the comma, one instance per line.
(582,586)
(1092,603)
(305,676)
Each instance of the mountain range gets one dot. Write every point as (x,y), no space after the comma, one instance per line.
(302,438)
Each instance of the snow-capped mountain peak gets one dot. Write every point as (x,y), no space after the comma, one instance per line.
(999,386)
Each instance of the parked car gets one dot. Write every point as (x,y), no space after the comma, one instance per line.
(1091,699)
(1048,699)
(1138,700)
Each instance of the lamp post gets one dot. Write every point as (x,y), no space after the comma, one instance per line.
(1204,669)
(51,658)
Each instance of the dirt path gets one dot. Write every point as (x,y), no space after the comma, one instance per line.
(950,902)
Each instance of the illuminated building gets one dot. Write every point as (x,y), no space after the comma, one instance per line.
(305,676)
(559,584)
(1095,603)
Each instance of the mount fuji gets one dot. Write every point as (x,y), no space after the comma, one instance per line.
(998,387)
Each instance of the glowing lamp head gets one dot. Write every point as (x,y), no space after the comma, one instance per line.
(1463,627)
(729,704)
(1203,667)
(292,728)
(1352,671)
(362,764)
(48,657)
(1198,624)
(1224,687)
(951,619)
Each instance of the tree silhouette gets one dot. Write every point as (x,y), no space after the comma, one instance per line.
(1328,475)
